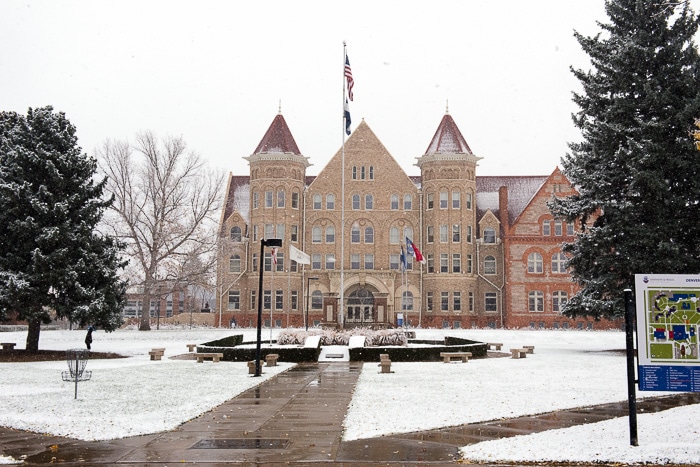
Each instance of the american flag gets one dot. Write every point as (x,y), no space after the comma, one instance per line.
(348,76)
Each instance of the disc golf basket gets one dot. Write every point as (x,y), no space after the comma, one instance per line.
(77,360)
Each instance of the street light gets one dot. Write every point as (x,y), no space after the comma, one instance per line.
(273,242)
(308,279)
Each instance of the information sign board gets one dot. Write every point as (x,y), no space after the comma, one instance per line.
(668,318)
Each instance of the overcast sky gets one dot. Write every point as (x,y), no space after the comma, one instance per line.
(215,72)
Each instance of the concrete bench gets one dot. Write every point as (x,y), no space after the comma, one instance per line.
(518,353)
(271,359)
(214,356)
(157,353)
(191,347)
(449,356)
(529,348)
(495,345)
(8,345)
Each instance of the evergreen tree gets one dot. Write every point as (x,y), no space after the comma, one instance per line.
(636,169)
(53,263)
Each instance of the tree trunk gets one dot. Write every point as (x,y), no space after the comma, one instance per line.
(145,324)
(33,336)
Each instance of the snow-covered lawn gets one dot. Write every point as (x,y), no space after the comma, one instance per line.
(569,369)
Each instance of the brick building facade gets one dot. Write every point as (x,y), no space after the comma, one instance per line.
(491,247)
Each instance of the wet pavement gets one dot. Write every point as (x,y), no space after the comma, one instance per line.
(296,419)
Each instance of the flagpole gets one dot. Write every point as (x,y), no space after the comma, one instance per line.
(273,302)
(342,201)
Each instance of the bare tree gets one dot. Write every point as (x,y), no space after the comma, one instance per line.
(165,203)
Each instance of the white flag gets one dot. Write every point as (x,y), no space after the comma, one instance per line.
(299,256)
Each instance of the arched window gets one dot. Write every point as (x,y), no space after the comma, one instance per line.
(354,172)
(394,202)
(234,264)
(317,201)
(407,202)
(355,234)
(534,263)
(408,232)
(316,234)
(236,233)
(559,263)
(369,235)
(330,234)
(369,202)
(362,172)
(489,265)
(316,300)
(535,301)
(371,172)
(394,236)
(330,201)
(356,202)
(559,299)
(407,302)
(489,235)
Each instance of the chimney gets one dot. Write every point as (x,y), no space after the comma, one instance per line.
(503,208)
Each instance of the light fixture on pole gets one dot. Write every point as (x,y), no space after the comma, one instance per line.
(306,320)
(272,242)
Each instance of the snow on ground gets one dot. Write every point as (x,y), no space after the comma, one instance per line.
(569,369)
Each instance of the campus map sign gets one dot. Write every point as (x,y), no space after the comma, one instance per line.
(667,332)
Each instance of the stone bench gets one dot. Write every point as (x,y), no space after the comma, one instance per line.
(8,345)
(495,345)
(215,357)
(529,348)
(251,367)
(271,359)
(156,353)
(518,353)
(449,356)
(385,363)
(191,347)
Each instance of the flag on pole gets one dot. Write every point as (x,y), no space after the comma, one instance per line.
(346,116)
(348,76)
(413,250)
(299,256)
(403,259)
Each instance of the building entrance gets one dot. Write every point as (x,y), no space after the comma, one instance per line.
(360,307)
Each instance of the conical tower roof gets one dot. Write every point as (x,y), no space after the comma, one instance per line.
(448,139)
(278,139)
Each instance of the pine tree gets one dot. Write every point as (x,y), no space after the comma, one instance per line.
(636,169)
(54,264)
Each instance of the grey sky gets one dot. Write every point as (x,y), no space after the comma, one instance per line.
(215,72)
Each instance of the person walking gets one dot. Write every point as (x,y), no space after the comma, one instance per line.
(88,338)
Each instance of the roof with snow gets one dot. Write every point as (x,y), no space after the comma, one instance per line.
(278,139)
(448,139)
(521,190)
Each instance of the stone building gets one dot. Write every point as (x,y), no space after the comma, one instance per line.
(491,248)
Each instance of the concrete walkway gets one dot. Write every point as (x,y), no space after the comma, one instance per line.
(296,418)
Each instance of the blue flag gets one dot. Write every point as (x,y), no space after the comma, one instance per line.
(346,116)
(403,259)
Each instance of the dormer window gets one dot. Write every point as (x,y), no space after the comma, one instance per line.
(489,235)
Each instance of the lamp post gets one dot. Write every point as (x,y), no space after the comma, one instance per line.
(273,242)
(308,280)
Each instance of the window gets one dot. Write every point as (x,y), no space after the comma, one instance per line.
(369,261)
(355,261)
(469,234)
(456,262)
(570,229)
(429,234)
(269,231)
(255,200)
(280,231)
(294,234)
(557,228)
(407,203)
(470,264)
(369,235)
(295,299)
(408,232)
(394,235)
(330,202)
(330,261)
(268,261)
(407,302)
(356,202)
(280,261)
(354,172)
(295,200)
(255,262)
(317,202)
(534,263)
(279,300)
(490,302)
(369,202)
(316,261)
(330,234)
(280,198)
(355,234)
(316,234)
(267,299)
(394,202)
(489,235)
(234,299)
(429,199)
(443,262)
(535,301)
(444,301)
(456,301)
(431,262)
(429,301)
(316,300)
(471,301)
(559,299)
(234,263)
(559,263)
(236,234)
(255,233)
(456,201)
(443,200)
(268,199)
(362,172)
(371,172)
(490,265)
(469,200)
(443,234)
(253,301)
(547,228)
(456,233)
(394,260)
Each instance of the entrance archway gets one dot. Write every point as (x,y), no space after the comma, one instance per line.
(360,307)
